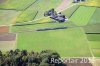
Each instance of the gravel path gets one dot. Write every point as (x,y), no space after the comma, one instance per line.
(65,4)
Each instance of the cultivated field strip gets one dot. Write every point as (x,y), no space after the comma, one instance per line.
(8,17)
(69,12)
(8,37)
(36,26)
(17,4)
(95,44)
(92,29)
(96,52)
(26,15)
(93,3)
(2,1)
(8,45)
(95,19)
(4,29)
(82,15)
(95,47)
(93,37)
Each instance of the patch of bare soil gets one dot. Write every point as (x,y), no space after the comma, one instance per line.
(4,29)
(2,1)
(8,37)
(65,4)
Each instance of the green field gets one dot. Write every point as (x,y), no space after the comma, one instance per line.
(95,47)
(94,28)
(56,40)
(43,39)
(96,17)
(69,12)
(82,15)
(34,26)
(95,44)
(17,4)
(8,17)
(93,3)
(27,15)
(96,52)
(93,37)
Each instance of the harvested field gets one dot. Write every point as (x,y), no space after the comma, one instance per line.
(8,42)
(8,37)
(4,29)
(97,62)
(7,45)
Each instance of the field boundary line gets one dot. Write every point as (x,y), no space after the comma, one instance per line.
(92,15)
(93,57)
(74,12)
(31,4)
(69,7)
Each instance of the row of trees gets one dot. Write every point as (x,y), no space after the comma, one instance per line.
(25,58)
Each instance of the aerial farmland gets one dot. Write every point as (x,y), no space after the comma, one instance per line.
(24,26)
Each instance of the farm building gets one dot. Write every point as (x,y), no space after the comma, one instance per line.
(78,1)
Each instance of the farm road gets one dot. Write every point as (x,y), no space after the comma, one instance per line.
(65,4)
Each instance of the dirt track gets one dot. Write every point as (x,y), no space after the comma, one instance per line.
(65,4)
